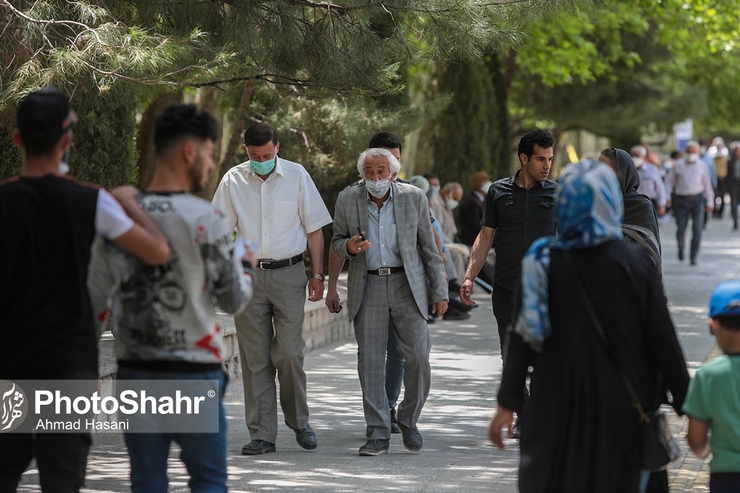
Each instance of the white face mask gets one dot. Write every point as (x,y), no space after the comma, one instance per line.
(378,188)
(452,203)
(484,188)
(638,161)
(692,158)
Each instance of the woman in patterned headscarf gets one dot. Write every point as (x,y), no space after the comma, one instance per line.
(579,432)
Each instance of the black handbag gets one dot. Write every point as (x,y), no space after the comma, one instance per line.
(659,447)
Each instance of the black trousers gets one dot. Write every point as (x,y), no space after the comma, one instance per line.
(61,460)
(501,299)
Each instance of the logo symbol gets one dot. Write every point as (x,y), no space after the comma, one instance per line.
(13,406)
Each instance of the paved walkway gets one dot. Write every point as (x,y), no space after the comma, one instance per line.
(465,368)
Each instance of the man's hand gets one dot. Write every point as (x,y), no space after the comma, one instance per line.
(709,208)
(315,289)
(502,417)
(439,308)
(465,291)
(125,195)
(357,244)
(249,256)
(660,210)
(332,300)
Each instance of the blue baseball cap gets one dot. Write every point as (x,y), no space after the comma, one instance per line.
(725,299)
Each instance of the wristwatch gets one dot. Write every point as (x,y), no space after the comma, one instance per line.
(320,277)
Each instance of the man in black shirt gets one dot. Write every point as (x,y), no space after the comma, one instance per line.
(48,223)
(518,210)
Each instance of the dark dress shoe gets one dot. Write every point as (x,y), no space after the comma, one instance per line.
(258,447)
(305,437)
(394,422)
(375,447)
(411,438)
(454,314)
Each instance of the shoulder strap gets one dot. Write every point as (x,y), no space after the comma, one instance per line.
(638,234)
(605,343)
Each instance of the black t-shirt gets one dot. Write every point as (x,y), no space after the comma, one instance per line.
(47,226)
(520,217)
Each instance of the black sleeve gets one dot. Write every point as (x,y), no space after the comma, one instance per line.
(490,214)
(662,341)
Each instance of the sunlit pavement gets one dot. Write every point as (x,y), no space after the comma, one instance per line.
(465,370)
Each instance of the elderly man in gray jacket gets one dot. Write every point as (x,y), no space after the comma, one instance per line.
(383,227)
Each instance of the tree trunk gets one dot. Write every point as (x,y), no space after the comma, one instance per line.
(238,127)
(145,135)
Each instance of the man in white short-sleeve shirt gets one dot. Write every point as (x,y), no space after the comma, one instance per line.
(49,222)
(274,203)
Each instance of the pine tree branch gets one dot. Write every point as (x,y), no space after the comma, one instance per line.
(51,22)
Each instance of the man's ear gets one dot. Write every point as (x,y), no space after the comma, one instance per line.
(66,140)
(189,151)
(393,177)
(17,139)
(713,326)
(523,159)
(277,148)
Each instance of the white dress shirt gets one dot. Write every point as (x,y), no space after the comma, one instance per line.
(276,213)
(690,179)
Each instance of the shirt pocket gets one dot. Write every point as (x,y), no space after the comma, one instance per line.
(546,203)
(285,213)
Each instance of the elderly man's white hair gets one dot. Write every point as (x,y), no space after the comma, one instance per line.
(638,150)
(718,141)
(377,152)
(692,143)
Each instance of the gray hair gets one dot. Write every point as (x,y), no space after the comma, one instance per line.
(692,143)
(638,150)
(378,152)
(420,182)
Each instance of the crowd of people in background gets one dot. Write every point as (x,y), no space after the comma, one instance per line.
(575,284)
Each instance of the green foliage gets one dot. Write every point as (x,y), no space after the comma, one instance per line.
(471,134)
(103,147)
(10,156)
(630,66)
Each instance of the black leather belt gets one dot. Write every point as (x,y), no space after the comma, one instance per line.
(385,271)
(270,264)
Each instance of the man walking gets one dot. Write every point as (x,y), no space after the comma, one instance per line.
(163,318)
(384,228)
(274,203)
(48,223)
(692,195)
(519,210)
(395,360)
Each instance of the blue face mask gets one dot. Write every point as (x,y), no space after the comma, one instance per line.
(262,168)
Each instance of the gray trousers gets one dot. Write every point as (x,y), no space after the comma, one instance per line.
(384,297)
(270,333)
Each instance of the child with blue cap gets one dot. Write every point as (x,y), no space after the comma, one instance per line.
(713,399)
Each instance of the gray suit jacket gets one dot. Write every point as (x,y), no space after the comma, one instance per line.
(421,260)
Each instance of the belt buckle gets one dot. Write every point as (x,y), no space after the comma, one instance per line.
(263,263)
(384,271)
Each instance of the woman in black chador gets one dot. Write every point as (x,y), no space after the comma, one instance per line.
(580,433)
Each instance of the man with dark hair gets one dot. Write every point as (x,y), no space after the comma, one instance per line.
(518,210)
(274,203)
(163,318)
(49,222)
(386,140)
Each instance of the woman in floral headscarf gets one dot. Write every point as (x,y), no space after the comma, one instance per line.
(579,432)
